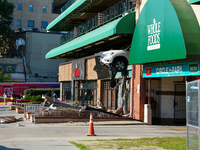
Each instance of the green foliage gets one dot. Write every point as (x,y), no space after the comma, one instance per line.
(6,11)
(4,77)
(174,143)
(81,146)
(41,91)
(38,97)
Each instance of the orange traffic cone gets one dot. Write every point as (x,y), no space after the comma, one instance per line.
(91,127)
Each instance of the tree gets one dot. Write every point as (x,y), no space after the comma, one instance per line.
(4,77)
(6,33)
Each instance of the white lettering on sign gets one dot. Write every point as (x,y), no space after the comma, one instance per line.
(169,69)
(193,68)
(154,35)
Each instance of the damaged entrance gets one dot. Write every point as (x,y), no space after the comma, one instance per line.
(116,96)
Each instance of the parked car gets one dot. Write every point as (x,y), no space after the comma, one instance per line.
(116,60)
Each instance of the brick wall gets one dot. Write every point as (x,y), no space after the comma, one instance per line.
(138,93)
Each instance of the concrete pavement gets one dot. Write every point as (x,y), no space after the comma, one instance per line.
(29,136)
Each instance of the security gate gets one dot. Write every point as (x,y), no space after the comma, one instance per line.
(110,96)
(193,115)
(179,104)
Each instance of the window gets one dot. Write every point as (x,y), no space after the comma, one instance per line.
(30,23)
(10,69)
(11,22)
(43,24)
(30,7)
(44,9)
(18,22)
(18,6)
(66,89)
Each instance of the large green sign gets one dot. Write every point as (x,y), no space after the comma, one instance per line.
(166,30)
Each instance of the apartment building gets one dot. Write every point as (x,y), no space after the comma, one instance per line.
(34,14)
(33,17)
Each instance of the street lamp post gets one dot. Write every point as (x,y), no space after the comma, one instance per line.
(21,42)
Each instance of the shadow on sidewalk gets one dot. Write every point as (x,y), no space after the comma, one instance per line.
(5,148)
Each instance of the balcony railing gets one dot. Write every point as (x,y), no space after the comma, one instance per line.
(67,37)
(116,11)
(87,26)
(67,5)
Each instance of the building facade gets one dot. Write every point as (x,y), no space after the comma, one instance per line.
(38,68)
(32,14)
(164,53)
(92,27)
(169,54)
(14,67)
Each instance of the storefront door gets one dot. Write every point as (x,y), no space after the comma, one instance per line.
(179,104)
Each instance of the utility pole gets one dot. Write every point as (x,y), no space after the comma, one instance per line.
(21,42)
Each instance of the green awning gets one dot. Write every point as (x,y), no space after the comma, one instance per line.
(54,25)
(123,25)
(166,30)
(194,1)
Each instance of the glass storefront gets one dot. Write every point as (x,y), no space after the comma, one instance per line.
(87,92)
(66,91)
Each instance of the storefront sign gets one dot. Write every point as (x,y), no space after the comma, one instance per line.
(154,35)
(170,70)
(78,69)
(193,68)
(163,33)
(76,72)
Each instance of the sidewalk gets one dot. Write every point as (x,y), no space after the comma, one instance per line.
(56,136)
(5,111)
(30,144)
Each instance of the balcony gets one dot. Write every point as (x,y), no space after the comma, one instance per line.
(72,16)
(118,10)
(67,5)
(114,34)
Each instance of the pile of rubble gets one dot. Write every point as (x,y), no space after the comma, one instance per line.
(57,108)
(9,119)
(53,110)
